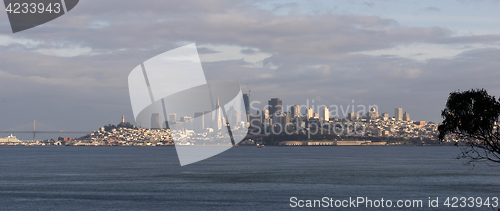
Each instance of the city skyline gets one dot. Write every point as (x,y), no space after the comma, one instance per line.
(373,124)
(288,110)
(308,113)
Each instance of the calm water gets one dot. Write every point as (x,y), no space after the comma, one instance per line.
(243,178)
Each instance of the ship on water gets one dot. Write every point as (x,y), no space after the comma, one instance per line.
(9,139)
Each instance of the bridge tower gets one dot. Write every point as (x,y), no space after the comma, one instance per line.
(34,130)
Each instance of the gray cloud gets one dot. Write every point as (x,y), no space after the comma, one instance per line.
(285,5)
(369,4)
(203,50)
(248,51)
(432,9)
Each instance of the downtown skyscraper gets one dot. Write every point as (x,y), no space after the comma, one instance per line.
(398,114)
(275,106)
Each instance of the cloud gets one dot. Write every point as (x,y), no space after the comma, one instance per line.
(369,4)
(285,5)
(432,9)
(248,51)
(204,50)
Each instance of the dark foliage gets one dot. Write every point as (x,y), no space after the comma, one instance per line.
(472,117)
(110,127)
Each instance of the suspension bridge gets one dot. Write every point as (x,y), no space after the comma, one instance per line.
(38,127)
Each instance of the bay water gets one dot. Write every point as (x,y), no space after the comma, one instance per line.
(242,178)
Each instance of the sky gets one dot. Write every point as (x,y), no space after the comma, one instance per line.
(72,72)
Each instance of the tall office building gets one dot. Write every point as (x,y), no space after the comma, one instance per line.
(185,119)
(352,116)
(184,123)
(207,119)
(172,118)
(309,113)
(265,114)
(406,116)
(265,117)
(284,120)
(233,115)
(385,116)
(276,119)
(199,122)
(246,101)
(275,106)
(295,111)
(373,114)
(325,114)
(398,114)
(218,117)
(155,121)
(255,121)
(237,116)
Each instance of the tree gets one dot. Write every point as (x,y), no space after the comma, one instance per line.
(126,125)
(472,116)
